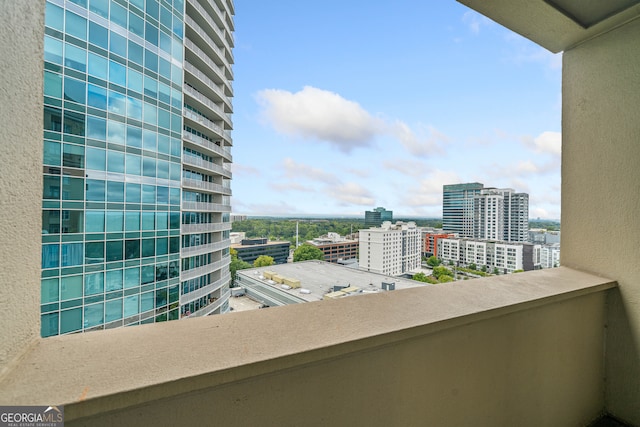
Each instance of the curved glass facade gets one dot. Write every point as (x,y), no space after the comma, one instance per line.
(113,170)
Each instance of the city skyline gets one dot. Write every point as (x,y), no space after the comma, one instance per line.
(384,106)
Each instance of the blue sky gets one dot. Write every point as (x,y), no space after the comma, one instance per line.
(341,107)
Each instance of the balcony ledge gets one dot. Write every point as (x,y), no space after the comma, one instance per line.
(116,370)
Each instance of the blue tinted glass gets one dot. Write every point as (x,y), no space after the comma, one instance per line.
(117,103)
(134,81)
(75,58)
(113,310)
(136,24)
(118,44)
(150,114)
(49,323)
(134,167)
(134,108)
(117,73)
(165,17)
(152,8)
(134,136)
(176,53)
(162,220)
(113,280)
(115,190)
(72,254)
(52,50)
(74,90)
(151,33)
(94,221)
(118,14)
(151,60)
(97,97)
(50,256)
(98,66)
(148,167)
(148,222)
(133,190)
(163,169)
(94,252)
(93,283)
(114,250)
(175,196)
(131,305)
(54,17)
(72,188)
(176,147)
(70,287)
(95,191)
(147,301)
(165,42)
(75,25)
(178,27)
(148,194)
(115,132)
(96,129)
(163,143)
(70,320)
(115,221)
(149,140)
(176,98)
(52,84)
(93,315)
(136,52)
(132,221)
(163,195)
(98,35)
(115,163)
(176,122)
(101,7)
(95,158)
(52,153)
(139,3)
(131,277)
(174,171)
(164,118)
(150,87)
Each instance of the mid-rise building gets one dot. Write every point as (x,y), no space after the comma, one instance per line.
(457,207)
(250,249)
(544,236)
(550,255)
(474,211)
(391,249)
(430,237)
(377,216)
(506,257)
(336,248)
(137,138)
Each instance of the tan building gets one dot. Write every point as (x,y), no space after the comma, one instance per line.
(336,248)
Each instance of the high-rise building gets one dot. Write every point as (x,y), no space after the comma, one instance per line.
(391,249)
(472,210)
(457,208)
(377,216)
(137,121)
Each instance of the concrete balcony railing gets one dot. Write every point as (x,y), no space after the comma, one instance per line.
(204,228)
(208,41)
(205,165)
(205,269)
(523,349)
(204,291)
(206,186)
(203,249)
(217,69)
(204,206)
(225,152)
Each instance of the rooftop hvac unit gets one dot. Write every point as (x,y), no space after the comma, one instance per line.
(389,286)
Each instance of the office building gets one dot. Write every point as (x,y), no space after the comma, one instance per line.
(250,249)
(391,249)
(377,216)
(336,248)
(457,208)
(136,198)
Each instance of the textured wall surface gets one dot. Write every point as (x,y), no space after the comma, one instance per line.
(21,71)
(601,193)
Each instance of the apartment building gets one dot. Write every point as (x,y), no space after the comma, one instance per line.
(505,256)
(391,249)
(137,138)
(336,248)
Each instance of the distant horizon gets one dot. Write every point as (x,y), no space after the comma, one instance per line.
(354,216)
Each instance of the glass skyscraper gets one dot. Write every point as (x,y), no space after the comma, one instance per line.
(137,121)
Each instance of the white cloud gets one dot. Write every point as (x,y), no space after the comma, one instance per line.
(428,193)
(320,114)
(351,193)
(240,169)
(475,21)
(546,142)
(299,171)
(314,113)
(405,166)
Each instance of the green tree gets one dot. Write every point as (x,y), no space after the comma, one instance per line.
(440,271)
(235,265)
(444,279)
(495,270)
(473,266)
(306,252)
(263,261)
(433,261)
(420,277)
(518,271)
(484,269)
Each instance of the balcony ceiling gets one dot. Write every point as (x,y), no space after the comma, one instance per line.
(558,25)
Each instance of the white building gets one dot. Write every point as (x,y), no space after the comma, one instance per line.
(391,249)
(550,255)
(501,214)
(505,256)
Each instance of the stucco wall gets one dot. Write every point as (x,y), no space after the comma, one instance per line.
(537,367)
(601,193)
(21,70)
